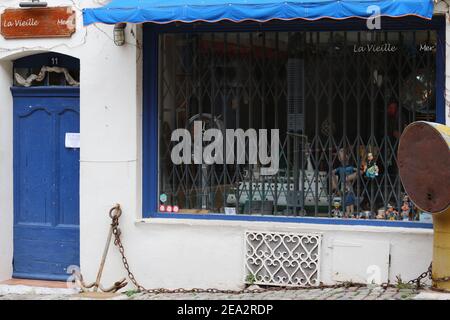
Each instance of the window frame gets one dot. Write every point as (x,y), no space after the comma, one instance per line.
(150,114)
(40,60)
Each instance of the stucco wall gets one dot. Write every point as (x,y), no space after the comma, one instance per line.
(162,253)
(175,253)
(6,187)
(108,90)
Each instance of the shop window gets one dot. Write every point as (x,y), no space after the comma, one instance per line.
(339,101)
(47,69)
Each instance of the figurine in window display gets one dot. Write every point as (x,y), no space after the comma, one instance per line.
(371,169)
(344,175)
(391,213)
(349,202)
(365,215)
(336,211)
(381,214)
(342,180)
(407,211)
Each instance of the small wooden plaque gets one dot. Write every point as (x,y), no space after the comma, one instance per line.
(55,22)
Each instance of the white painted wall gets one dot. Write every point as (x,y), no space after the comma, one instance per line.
(162,253)
(108,92)
(6,177)
(210,253)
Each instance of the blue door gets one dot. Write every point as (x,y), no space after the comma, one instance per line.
(46,182)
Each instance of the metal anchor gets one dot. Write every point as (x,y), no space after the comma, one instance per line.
(114,214)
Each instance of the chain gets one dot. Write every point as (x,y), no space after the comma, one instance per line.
(118,244)
(427,274)
(423,275)
(140,288)
(116,212)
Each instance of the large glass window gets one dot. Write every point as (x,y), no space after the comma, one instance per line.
(339,100)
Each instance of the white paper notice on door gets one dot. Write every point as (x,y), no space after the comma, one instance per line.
(72,140)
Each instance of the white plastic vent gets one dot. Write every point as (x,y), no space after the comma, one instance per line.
(282,259)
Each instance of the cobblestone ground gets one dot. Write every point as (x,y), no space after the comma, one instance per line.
(350,293)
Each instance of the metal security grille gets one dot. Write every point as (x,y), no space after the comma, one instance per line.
(286,259)
(334,96)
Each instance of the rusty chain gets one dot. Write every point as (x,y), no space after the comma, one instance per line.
(423,275)
(427,274)
(115,214)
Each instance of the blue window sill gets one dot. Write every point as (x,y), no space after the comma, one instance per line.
(283,219)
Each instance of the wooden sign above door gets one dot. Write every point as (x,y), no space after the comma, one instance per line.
(56,22)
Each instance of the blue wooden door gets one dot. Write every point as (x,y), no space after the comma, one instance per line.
(46,182)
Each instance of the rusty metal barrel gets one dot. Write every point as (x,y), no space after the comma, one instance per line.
(424,167)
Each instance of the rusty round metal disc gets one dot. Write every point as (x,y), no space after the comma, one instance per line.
(424,166)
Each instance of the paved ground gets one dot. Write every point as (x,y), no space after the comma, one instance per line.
(350,293)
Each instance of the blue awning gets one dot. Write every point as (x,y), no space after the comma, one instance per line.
(166,11)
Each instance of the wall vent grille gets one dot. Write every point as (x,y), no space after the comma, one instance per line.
(282,259)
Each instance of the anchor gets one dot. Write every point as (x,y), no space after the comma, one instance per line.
(114,214)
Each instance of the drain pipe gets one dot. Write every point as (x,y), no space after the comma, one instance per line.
(424,167)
